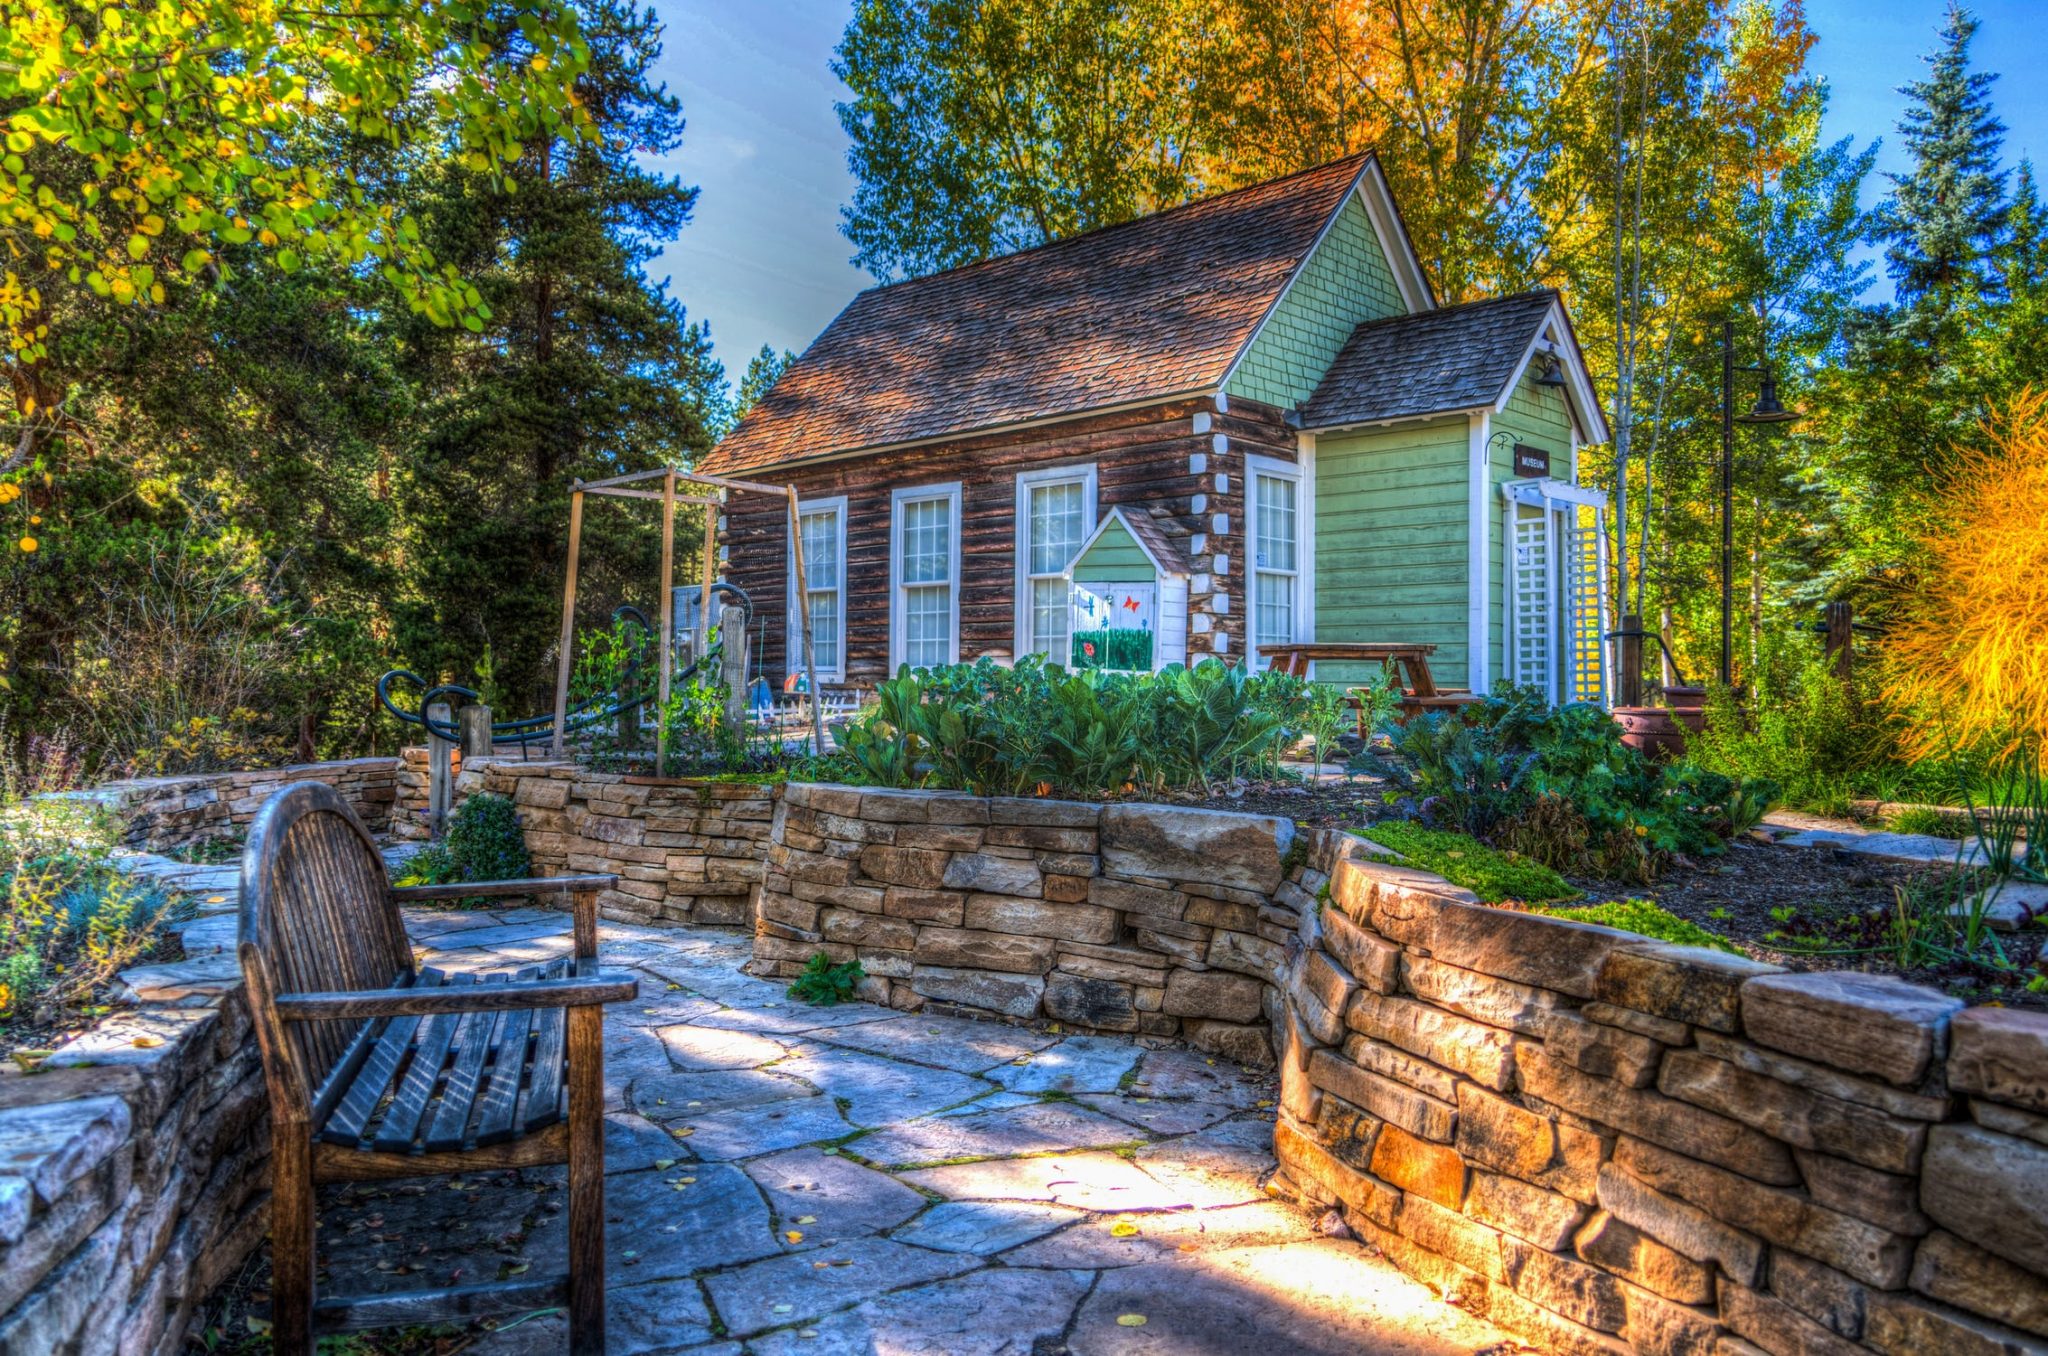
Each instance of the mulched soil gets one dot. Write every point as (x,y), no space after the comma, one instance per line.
(1328,804)
(1823,900)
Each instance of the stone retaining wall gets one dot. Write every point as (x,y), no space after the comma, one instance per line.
(167,814)
(133,1180)
(1606,1144)
(685,851)
(1122,918)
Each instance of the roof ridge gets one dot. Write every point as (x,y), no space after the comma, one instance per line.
(1096,232)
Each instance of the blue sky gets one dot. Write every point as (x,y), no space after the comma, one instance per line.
(764,262)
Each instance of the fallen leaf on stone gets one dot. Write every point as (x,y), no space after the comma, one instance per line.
(216,899)
(684,1132)
(1130,1320)
(783,1308)
(673,987)
(148,1042)
(806,1332)
(663,1164)
(518,1268)
(1123,1228)
(806,1219)
(794,1235)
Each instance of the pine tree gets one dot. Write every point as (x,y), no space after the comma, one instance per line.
(585,370)
(764,369)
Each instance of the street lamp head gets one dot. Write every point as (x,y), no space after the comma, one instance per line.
(1768,409)
(1552,373)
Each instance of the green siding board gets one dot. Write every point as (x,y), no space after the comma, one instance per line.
(1346,281)
(1538,416)
(1115,558)
(1392,525)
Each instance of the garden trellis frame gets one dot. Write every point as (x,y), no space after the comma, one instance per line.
(617,487)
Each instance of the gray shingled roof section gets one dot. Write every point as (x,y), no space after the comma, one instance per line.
(1453,358)
(1157,307)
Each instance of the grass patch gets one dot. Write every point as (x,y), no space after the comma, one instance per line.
(1642,916)
(1925,819)
(1493,875)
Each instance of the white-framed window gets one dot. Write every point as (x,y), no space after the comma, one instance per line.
(1055,514)
(1277,513)
(924,576)
(822,523)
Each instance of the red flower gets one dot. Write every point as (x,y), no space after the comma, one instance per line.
(1088,648)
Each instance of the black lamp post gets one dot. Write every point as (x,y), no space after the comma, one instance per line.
(1767,410)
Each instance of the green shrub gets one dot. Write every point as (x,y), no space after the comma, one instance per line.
(1642,916)
(824,983)
(485,842)
(1493,875)
(1820,740)
(1927,820)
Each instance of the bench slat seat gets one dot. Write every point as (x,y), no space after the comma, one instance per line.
(378,1069)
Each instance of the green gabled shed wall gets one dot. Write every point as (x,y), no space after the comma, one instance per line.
(1540,417)
(1393,519)
(1115,558)
(1345,282)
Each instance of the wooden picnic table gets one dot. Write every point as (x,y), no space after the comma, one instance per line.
(1419,691)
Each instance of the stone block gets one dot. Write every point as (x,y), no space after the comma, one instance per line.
(1801,1118)
(51,1145)
(1990,1189)
(865,898)
(1330,982)
(1102,1004)
(993,875)
(1248,955)
(1527,948)
(1450,1235)
(1309,1162)
(1819,1078)
(1885,1199)
(1871,1024)
(1607,1242)
(1906,1325)
(1218,913)
(1036,918)
(1484,998)
(1685,1229)
(1871,1254)
(1149,901)
(924,906)
(1044,837)
(916,867)
(1515,1207)
(1838,1303)
(1565,1285)
(1212,993)
(1652,1116)
(1300,1098)
(1057,814)
(964,949)
(1008,994)
(1396,1103)
(1402,1067)
(888,806)
(1605,1051)
(1066,889)
(789,911)
(2000,1054)
(867,929)
(1777,1327)
(1215,846)
(1482,1053)
(940,837)
(1326,1025)
(2009,1120)
(1496,1133)
(1345,1130)
(1957,1272)
(1372,959)
(1251,1046)
(1694,985)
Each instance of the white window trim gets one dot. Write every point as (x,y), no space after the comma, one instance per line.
(1021,586)
(793,651)
(912,494)
(1304,552)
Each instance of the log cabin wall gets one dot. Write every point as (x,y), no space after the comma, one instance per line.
(1183,453)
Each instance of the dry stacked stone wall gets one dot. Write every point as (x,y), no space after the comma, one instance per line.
(1125,918)
(167,814)
(1607,1144)
(133,1180)
(685,851)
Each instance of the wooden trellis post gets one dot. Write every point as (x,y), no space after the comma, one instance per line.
(803,616)
(567,656)
(668,620)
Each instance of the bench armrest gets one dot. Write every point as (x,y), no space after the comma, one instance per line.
(540,885)
(583,990)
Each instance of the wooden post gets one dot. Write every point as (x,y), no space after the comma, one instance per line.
(476,731)
(440,769)
(732,665)
(710,576)
(803,616)
(586,1146)
(668,620)
(1841,620)
(564,660)
(1629,661)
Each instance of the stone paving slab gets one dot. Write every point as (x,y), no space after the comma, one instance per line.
(755,1206)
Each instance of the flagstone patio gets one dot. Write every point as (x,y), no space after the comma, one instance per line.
(786,1178)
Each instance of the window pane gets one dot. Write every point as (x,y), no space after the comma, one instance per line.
(1056,523)
(1052,612)
(927,541)
(1273,610)
(824,630)
(1275,523)
(927,625)
(821,549)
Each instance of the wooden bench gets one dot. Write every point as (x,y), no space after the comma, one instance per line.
(379,1070)
(1419,691)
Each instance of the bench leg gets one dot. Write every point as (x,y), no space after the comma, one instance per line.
(586,1181)
(291,1241)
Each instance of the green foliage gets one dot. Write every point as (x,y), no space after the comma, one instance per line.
(825,983)
(1493,875)
(2010,816)
(1035,728)
(1644,917)
(485,842)
(1803,729)
(1125,649)
(1926,820)
(70,921)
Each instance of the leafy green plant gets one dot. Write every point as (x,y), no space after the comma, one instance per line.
(1925,820)
(1493,875)
(485,842)
(2010,815)
(1644,917)
(824,983)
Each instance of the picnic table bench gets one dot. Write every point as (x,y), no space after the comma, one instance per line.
(377,1069)
(1419,691)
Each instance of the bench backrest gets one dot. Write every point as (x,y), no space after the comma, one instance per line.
(317,917)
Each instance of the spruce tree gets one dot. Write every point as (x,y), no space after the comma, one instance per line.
(585,369)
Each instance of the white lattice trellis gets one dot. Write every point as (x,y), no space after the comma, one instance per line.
(1556,589)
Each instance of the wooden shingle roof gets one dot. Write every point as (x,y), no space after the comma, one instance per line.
(1435,362)
(1156,307)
